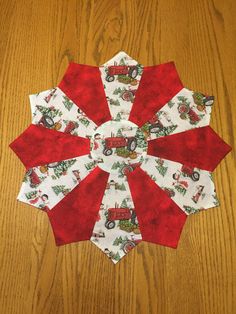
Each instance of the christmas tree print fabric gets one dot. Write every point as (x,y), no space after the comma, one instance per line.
(118,154)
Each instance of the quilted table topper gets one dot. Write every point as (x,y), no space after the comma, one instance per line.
(118,154)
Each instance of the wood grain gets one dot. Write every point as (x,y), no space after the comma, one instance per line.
(38,39)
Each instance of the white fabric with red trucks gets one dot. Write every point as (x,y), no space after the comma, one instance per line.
(45,186)
(121,76)
(186,111)
(115,145)
(192,189)
(116,231)
(54,110)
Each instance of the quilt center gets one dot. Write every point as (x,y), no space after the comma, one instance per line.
(118,146)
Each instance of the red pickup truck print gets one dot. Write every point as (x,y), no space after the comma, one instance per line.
(48,122)
(128,95)
(115,142)
(129,168)
(130,244)
(119,214)
(188,172)
(131,71)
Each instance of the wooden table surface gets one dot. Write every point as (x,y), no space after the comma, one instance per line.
(37,40)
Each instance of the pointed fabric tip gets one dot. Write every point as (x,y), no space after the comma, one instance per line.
(118,57)
(200,147)
(74,217)
(116,231)
(160,219)
(38,145)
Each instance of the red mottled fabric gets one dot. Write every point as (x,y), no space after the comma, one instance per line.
(160,219)
(38,145)
(83,85)
(200,147)
(157,86)
(74,217)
